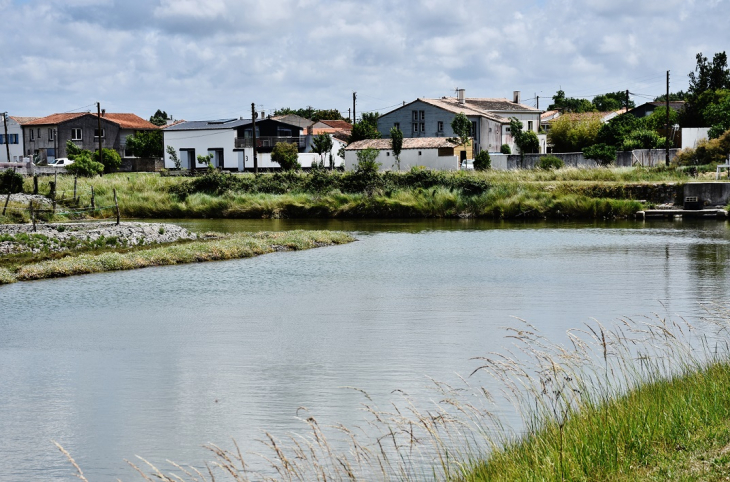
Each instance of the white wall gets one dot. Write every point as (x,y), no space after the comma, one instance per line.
(409,158)
(692,135)
(201,141)
(244,158)
(16,150)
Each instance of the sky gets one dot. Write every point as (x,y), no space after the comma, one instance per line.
(211,59)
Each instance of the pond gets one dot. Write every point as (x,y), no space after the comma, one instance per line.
(157,362)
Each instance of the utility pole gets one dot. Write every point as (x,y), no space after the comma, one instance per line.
(538,102)
(349,114)
(354,115)
(627,100)
(7,139)
(98,118)
(253,130)
(666,132)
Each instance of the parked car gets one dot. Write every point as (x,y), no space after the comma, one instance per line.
(60,162)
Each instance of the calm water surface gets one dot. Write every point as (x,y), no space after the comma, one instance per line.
(159,361)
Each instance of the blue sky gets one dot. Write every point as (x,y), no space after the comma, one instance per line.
(202,59)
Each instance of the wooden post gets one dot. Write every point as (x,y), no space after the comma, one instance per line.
(7,199)
(53,195)
(75,178)
(35,183)
(93,204)
(117,205)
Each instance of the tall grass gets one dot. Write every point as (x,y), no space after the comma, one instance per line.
(646,400)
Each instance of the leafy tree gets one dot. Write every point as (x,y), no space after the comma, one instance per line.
(526,142)
(570,104)
(172,154)
(85,166)
(642,139)
(326,114)
(658,119)
(206,160)
(370,118)
(111,160)
(396,137)
(707,78)
(322,144)
(569,133)
(461,125)
(72,150)
(673,97)
(601,153)
(718,116)
(482,161)
(603,103)
(363,130)
(146,143)
(286,155)
(505,149)
(366,160)
(10,181)
(614,131)
(159,118)
(311,113)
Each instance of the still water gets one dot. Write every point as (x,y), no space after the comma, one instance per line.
(157,362)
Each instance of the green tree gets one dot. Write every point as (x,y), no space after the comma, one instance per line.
(159,118)
(111,160)
(363,130)
(658,119)
(85,166)
(526,142)
(146,143)
(206,160)
(673,97)
(396,137)
(366,160)
(505,149)
(322,144)
(717,115)
(601,153)
(461,125)
(172,154)
(707,78)
(571,133)
(612,101)
(482,161)
(614,131)
(286,155)
(370,118)
(72,150)
(570,104)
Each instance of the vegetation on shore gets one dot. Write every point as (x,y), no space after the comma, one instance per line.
(418,193)
(219,247)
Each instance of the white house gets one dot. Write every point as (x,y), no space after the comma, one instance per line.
(195,138)
(430,152)
(14,139)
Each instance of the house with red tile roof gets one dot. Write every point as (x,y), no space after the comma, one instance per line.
(45,137)
(11,138)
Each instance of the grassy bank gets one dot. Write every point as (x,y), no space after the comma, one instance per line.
(226,247)
(577,193)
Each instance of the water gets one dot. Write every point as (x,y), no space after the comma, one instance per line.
(157,362)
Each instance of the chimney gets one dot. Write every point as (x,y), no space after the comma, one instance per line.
(517,96)
(103,112)
(460,96)
(263,114)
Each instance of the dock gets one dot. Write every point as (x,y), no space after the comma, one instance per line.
(719,214)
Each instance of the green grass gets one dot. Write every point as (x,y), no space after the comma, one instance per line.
(226,247)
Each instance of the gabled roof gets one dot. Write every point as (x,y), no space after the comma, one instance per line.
(335,124)
(23,120)
(451,104)
(408,143)
(294,120)
(125,121)
(54,119)
(495,105)
(207,125)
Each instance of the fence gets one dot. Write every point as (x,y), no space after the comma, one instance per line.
(638,157)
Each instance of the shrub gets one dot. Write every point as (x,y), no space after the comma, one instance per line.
(111,160)
(10,181)
(707,152)
(550,162)
(366,160)
(286,155)
(482,161)
(85,166)
(601,153)
(505,149)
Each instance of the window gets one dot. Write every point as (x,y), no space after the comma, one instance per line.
(50,134)
(76,134)
(96,133)
(506,129)
(419,153)
(473,128)
(415,115)
(32,135)
(397,125)
(415,127)
(423,114)
(14,138)
(440,126)
(529,125)
(39,133)
(2,139)
(387,154)
(423,127)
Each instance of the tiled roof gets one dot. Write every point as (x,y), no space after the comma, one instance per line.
(549,114)
(408,143)
(173,123)
(337,124)
(130,121)
(22,120)
(54,119)
(451,104)
(495,105)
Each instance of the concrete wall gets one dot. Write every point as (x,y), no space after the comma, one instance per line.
(692,135)
(306,159)
(201,140)
(141,164)
(643,157)
(409,158)
(711,193)
(16,150)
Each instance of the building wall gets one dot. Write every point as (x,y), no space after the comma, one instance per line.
(42,144)
(306,159)
(409,158)
(201,141)
(692,135)
(16,150)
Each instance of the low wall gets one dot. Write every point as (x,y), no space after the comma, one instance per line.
(142,164)
(710,193)
(642,157)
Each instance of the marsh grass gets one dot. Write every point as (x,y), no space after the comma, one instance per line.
(646,400)
(556,193)
(224,247)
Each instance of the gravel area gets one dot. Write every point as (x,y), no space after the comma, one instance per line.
(25,199)
(65,236)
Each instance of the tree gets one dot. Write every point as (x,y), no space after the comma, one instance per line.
(111,160)
(322,144)
(601,153)
(85,166)
(658,119)
(718,116)
(206,160)
(172,154)
(396,137)
(366,160)
(159,118)
(572,132)
(286,155)
(526,142)
(614,131)
(707,78)
(505,149)
(311,113)
(482,161)
(146,143)
(363,130)
(570,104)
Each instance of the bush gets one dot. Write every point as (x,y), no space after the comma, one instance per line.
(601,153)
(286,155)
(10,181)
(550,162)
(482,161)
(85,166)
(707,152)
(505,149)
(111,160)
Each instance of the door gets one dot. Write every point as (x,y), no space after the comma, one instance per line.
(462,158)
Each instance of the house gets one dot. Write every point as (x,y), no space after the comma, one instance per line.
(190,139)
(14,140)
(430,152)
(489,118)
(647,108)
(293,119)
(46,137)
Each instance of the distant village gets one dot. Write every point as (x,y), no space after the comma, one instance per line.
(238,144)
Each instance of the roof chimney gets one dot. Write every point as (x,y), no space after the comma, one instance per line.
(517,96)
(103,112)
(460,96)
(263,114)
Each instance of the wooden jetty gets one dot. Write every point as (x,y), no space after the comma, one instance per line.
(720,214)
